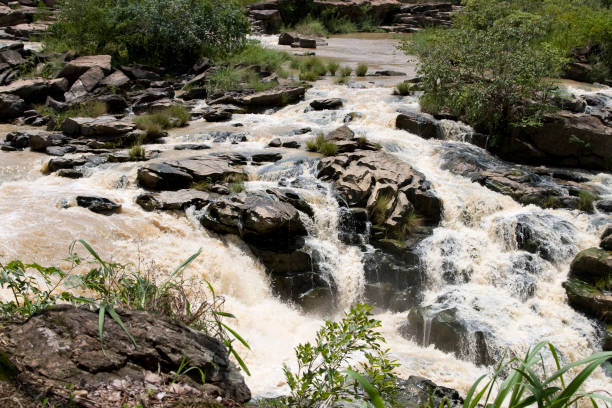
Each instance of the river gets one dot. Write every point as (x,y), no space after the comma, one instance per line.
(474,236)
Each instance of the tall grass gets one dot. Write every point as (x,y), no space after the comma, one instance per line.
(155,123)
(91,109)
(321,145)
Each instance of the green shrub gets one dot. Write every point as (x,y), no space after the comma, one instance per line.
(346,71)
(137,152)
(328,149)
(309,76)
(90,109)
(326,369)
(362,70)
(163,32)
(309,26)
(379,212)
(155,123)
(403,88)
(332,68)
(236,188)
(321,145)
(202,185)
(586,199)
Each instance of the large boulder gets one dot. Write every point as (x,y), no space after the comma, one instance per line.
(84,84)
(98,205)
(36,90)
(106,129)
(449,331)
(276,97)
(12,16)
(77,67)
(589,286)
(420,124)
(323,104)
(77,369)
(11,106)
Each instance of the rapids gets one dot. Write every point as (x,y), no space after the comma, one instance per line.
(475,239)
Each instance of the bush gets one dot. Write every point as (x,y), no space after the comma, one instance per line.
(362,70)
(155,123)
(346,71)
(170,33)
(326,373)
(321,145)
(309,27)
(486,69)
(332,68)
(403,88)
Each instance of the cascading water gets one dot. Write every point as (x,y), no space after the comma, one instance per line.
(473,261)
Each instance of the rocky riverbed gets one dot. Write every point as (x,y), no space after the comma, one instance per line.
(463,254)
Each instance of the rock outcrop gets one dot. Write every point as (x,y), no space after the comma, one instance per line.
(117,371)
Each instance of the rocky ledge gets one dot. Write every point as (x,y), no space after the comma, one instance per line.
(78,369)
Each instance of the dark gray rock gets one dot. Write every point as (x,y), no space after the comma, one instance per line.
(98,205)
(323,104)
(420,124)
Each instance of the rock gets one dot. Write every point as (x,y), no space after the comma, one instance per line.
(367,177)
(606,239)
(589,285)
(323,104)
(40,141)
(14,16)
(63,163)
(276,142)
(77,67)
(565,139)
(420,124)
(29,30)
(32,90)
(287,39)
(307,43)
(389,73)
(202,65)
(74,355)
(17,140)
(194,93)
(592,265)
(69,173)
(192,146)
(266,157)
(604,206)
(418,392)
(217,114)
(137,72)
(270,20)
(450,332)
(174,200)
(116,80)
(533,233)
(544,187)
(254,217)
(276,97)
(11,106)
(578,71)
(142,98)
(105,129)
(98,205)
(176,175)
(11,57)
(115,104)
(84,84)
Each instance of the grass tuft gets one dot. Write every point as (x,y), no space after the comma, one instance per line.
(321,145)
(155,123)
(403,89)
(362,70)
(586,199)
(332,68)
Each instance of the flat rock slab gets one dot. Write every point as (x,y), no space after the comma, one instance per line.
(98,205)
(68,337)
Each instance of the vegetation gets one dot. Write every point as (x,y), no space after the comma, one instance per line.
(155,123)
(586,199)
(523,386)
(362,70)
(379,212)
(149,31)
(321,145)
(403,88)
(328,372)
(332,68)
(110,286)
(91,109)
(346,71)
(492,67)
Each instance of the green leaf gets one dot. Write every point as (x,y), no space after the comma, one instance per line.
(117,319)
(236,335)
(238,358)
(368,388)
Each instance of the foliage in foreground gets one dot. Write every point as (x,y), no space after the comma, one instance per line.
(162,32)
(110,286)
(524,387)
(328,370)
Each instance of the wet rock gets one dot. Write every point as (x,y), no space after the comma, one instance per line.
(307,43)
(269,20)
(141,72)
(217,114)
(174,200)
(36,90)
(14,16)
(11,106)
(11,57)
(323,104)
(419,391)
(266,157)
(98,205)
(604,206)
(254,217)
(450,332)
(84,84)
(589,286)
(343,133)
(115,104)
(420,124)
(192,146)
(70,173)
(74,356)
(276,142)
(17,140)
(103,128)
(606,239)
(292,144)
(56,164)
(77,67)
(389,73)
(544,187)
(387,187)
(177,175)
(533,233)
(60,150)
(287,39)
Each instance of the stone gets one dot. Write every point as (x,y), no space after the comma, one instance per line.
(194,93)
(11,57)
(276,142)
(307,43)
(450,332)
(137,72)
(324,104)
(217,114)
(174,200)
(84,84)
(11,106)
(389,73)
(343,133)
(116,80)
(266,157)
(40,141)
(74,355)
(98,205)
(592,265)
(20,15)
(115,104)
(77,67)
(420,124)
(286,39)
(17,140)
(162,176)
(271,20)
(604,206)
(275,97)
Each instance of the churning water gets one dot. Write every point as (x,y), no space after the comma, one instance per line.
(471,260)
